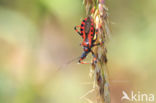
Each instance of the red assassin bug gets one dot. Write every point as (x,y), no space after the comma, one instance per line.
(87,32)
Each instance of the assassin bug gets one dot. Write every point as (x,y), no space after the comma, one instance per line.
(89,35)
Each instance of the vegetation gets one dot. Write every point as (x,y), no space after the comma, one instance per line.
(37,37)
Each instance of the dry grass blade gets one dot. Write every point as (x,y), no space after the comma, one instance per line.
(99,12)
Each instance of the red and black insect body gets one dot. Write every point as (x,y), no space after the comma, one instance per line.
(87,32)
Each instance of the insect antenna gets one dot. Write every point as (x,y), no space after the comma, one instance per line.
(68,62)
(72,60)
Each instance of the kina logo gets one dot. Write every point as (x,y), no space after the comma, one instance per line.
(137,97)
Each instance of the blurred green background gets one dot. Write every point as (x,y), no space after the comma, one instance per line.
(37,38)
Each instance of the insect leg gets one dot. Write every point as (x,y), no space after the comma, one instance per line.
(94,57)
(98,44)
(77,29)
(83,56)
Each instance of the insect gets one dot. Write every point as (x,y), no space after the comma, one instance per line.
(89,35)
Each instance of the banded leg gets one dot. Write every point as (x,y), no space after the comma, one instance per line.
(83,56)
(94,57)
(97,44)
(77,29)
